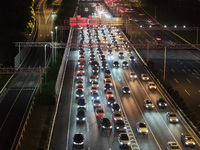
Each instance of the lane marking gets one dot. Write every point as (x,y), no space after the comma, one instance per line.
(187,92)
(175,80)
(173,70)
(147,41)
(183,70)
(140,41)
(188,80)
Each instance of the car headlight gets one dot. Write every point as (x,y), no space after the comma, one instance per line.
(186,143)
(159,104)
(147,131)
(83,118)
(103,126)
(115,119)
(129,91)
(121,143)
(165,104)
(177,119)
(82,95)
(124,91)
(124,127)
(139,131)
(77,118)
(77,95)
(108,102)
(117,127)
(194,143)
(170,119)
(128,143)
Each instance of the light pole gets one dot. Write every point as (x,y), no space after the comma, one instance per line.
(52,53)
(165,55)
(45,56)
(56,42)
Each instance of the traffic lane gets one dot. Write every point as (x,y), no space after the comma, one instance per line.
(6,104)
(12,124)
(133,113)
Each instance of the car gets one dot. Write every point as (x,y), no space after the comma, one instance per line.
(109,93)
(94,89)
(81,103)
(96,74)
(115,107)
(132,75)
(187,140)
(107,72)
(95,96)
(124,64)
(102,57)
(152,85)
(80,117)
(120,126)
(145,77)
(107,87)
(126,90)
(171,145)
(141,128)
(148,104)
(97,103)
(79,87)
(81,64)
(95,84)
(81,53)
(105,124)
(79,93)
(130,52)
(81,71)
(79,76)
(93,78)
(132,58)
(100,53)
(94,63)
(78,140)
(82,57)
(172,117)
(116,64)
(117,116)
(95,69)
(161,103)
(121,55)
(124,141)
(110,52)
(107,77)
(80,61)
(110,100)
(158,41)
(108,81)
(100,113)
(79,82)
(91,60)
(92,56)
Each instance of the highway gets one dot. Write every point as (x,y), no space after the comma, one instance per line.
(19,96)
(132,109)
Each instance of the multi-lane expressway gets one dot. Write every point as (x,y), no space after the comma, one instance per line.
(160,130)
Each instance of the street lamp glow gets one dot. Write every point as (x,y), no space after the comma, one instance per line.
(51,32)
(150,26)
(165,26)
(184,26)
(140,26)
(56,27)
(175,26)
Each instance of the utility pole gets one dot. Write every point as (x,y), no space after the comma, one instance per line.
(165,55)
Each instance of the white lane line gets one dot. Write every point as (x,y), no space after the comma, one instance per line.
(140,41)
(147,41)
(173,70)
(183,70)
(87,126)
(187,92)
(188,80)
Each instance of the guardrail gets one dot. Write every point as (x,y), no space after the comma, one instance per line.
(60,79)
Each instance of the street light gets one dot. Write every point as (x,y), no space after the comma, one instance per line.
(52,46)
(55,42)
(165,26)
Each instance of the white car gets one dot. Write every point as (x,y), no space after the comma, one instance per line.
(172,146)
(172,117)
(124,140)
(142,128)
(145,77)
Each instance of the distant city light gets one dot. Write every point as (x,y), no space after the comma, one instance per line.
(165,26)
(184,26)
(175,26)
(140,26)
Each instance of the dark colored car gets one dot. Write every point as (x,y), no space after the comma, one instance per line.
(126,90)
(81,103)
(161,103)
(132,58)
(107,87)
(116,64)
(120,126)
(95,96)
(79,93)
(105,124)
(115,107)
(80,117)
(110,100)
(78,140)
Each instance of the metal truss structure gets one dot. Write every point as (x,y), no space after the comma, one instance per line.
(106,45)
